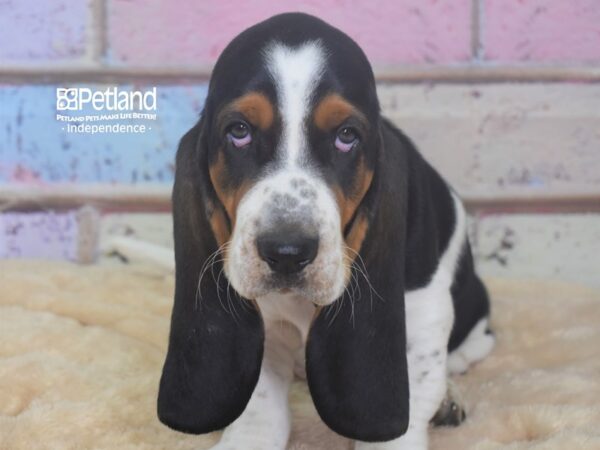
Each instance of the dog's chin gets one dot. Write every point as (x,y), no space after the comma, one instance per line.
(320,297)
(296,286)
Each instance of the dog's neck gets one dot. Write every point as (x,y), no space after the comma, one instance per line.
(288,307)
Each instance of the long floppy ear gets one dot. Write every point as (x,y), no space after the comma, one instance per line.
(213,360)
(356,351)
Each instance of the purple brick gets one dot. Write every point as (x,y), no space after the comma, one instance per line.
(33,31)
(38,235)
(157,32)
(541,30)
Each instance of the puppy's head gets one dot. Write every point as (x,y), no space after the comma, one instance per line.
(278,187)
(291,129)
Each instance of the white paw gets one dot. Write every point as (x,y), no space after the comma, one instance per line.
(476,346)
(256,440)
(248,445)
(410,441)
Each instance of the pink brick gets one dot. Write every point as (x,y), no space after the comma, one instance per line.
(541,30)
(48,30)
(159,32)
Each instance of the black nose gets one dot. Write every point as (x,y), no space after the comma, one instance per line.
(287,253)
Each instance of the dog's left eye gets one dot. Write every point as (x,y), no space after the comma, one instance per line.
(346,139)
(239,133)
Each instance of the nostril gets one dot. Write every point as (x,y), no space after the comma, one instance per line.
(269,260)
(287,253)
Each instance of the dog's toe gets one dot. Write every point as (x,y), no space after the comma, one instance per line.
(449,414)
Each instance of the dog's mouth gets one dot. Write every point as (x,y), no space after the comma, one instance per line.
(307,286)
(286,283)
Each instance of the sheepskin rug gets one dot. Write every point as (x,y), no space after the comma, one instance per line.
(81,350)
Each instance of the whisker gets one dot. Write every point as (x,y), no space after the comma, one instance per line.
(243,302)
(351,299)
(223,248)
(354,272)
(230,301)
(337,310)
(209,262)
(350,292)
(353,284)
(363,272)
(228,309)
(219,291)
(213,270)
(353,275)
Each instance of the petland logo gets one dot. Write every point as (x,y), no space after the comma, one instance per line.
(107,105)
(112,99)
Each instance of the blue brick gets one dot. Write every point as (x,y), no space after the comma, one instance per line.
(34,146)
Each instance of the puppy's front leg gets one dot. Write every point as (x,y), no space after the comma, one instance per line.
(429,318)
(265,423)
(427,379)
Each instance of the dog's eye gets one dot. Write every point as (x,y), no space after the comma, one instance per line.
(346,139)
(239,134)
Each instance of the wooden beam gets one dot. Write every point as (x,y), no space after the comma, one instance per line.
(460,73)
(105,197)
(157,198)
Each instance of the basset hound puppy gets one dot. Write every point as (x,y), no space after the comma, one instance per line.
(312,237)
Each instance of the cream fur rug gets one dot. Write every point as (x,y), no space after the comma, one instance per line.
(81,350)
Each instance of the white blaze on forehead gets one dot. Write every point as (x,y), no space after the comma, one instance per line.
(296,72)
(291,193)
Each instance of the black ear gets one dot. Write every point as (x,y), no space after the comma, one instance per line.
(356,351)
(214,355)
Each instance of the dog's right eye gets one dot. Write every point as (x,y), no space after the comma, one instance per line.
(346,139)
(239,134)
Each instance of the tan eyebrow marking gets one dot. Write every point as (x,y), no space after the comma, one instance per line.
(349,203)
(256,107)
(220,228)
(333,110)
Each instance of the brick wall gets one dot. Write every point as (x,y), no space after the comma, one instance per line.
(159,33)
(501,95)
